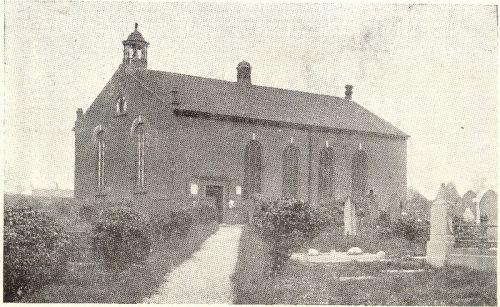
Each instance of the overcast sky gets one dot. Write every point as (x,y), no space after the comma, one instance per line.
(429,70)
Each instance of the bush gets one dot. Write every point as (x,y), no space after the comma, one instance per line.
(88,213)
(36,250)
(121,238)
(206,213)
(172,222)
(63,208)
(162,225)
(181,222)
(286,225)
(411,230)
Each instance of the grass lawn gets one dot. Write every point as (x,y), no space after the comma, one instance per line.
(92,284)
(310,283)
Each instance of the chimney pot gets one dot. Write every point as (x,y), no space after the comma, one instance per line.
(348,92)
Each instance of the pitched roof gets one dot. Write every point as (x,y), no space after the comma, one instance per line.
(226,98)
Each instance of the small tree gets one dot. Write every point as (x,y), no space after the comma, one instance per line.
(285,225)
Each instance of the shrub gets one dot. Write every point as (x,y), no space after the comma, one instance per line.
(172,222)
(181,222)
(286,225)
(206,213)
(88,213)
(121,238)
(36,250)
(411,230)
(383,220)
(63,208)
(162,224)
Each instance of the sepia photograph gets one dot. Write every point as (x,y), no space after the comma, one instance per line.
(293,153)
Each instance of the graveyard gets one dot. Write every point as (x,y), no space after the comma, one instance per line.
(336,259)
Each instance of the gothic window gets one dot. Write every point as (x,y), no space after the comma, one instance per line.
(359,174)
(121,105)
(139,160)
(326,175)
(290,171)
(100,160)
(253,169)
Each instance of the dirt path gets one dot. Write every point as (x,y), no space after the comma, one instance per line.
(205,277)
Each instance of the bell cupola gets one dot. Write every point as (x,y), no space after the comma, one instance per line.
(135,50)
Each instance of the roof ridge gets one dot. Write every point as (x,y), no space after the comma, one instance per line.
(252,85)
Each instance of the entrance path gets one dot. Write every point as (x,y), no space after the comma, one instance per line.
(205,277)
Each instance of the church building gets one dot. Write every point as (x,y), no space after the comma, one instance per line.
(163,140)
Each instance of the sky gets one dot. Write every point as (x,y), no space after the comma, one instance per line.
(430,70)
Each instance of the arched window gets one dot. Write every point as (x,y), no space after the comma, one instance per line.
(98,134)
(121,105)
(253,169)
(326,174)
(290,171)
(138,134)
(359,174)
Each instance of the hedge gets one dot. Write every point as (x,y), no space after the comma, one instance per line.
(36,250)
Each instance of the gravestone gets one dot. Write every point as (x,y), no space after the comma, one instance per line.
(468,202)
(350,227)
(441,240)
(488,206)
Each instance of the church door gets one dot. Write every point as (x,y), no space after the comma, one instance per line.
(215,191)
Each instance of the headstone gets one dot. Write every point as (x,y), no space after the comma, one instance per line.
(488,206)
(355,251)
(441,240)
(468,202)
(349,218)
(468,216)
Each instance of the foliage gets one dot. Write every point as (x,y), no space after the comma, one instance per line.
(181,222)
(206,213)
(172,223)
(35,251)
(121,237)
(411,229)
(285,225)
(162,224)
(88,213)
(62,208)
(91,284)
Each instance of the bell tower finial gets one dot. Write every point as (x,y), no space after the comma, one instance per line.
(135,50)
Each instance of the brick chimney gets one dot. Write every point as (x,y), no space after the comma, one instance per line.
(244,71)
(348,92)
